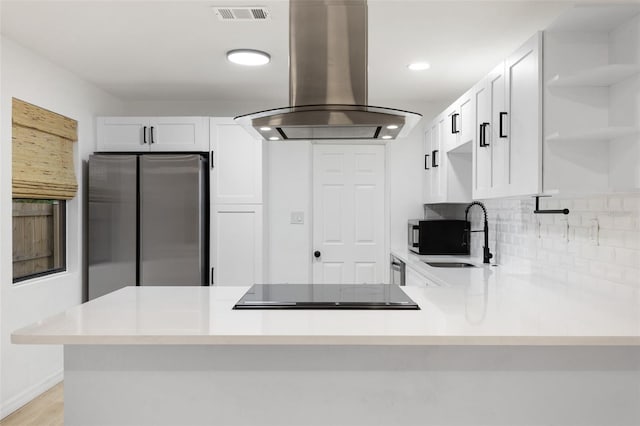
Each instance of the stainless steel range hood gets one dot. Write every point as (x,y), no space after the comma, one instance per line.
(328,80)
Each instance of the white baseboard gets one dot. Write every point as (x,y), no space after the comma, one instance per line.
(15,402)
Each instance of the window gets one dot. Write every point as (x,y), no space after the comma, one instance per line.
(43,177)
(39,229)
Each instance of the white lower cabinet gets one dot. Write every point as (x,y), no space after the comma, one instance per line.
(414,279)
(237,245)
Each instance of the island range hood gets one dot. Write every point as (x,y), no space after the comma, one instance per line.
(328,80)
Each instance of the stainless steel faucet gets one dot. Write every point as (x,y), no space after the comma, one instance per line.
(486,255)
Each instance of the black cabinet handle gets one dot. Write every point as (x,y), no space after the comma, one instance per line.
(151,134)
(454,123)
(502,114)
(483,135)
(317,254)
(434,160)
(144,134)
(426,161)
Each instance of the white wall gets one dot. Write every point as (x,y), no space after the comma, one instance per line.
(28,370)
(212,108)
(289,190)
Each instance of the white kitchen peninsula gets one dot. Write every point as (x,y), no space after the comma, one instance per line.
(500,349)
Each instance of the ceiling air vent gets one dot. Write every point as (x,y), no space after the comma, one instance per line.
(242,13)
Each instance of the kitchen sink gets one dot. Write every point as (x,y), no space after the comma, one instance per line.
(450,264)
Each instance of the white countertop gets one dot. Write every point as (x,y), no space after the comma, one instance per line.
(474,306)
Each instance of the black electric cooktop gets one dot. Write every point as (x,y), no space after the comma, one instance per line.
(325,296)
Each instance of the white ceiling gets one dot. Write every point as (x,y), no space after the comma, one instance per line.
(175,50)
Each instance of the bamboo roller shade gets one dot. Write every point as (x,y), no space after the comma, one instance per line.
(42,153)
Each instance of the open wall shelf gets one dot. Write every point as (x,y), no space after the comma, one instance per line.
(599,134)
(602,76)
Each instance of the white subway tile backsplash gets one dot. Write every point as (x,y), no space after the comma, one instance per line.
(597,204)
(598,242)
(627,257)
(615,204)
(631,204)
(631,240)
(626,222)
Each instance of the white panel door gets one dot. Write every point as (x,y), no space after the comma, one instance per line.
(122,134)
(348,214)
(179,134)
(237,164)
(236,255)
(523,94)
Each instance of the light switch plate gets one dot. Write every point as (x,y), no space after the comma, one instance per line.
(297,218)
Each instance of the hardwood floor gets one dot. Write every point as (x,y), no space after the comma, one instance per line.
(45,410)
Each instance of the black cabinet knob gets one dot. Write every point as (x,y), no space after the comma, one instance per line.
(316,254)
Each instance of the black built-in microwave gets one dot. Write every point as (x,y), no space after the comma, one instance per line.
(439,236)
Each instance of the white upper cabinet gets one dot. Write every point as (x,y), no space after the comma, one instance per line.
(153,134)
(426,173)
(447,163)
(437,172)
(481,148)
(461,121)
(237,164)
(507,153)
(494,135)
(522,123)
(123,133)
(464,124)
(179,134)
(561,114)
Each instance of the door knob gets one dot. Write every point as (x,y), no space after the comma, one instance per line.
(316,254)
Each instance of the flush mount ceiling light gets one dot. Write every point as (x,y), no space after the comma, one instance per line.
(248,57)
(419,66)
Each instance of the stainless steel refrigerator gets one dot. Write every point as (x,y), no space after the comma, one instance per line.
(148,221)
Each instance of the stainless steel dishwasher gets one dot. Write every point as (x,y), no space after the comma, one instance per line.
(398,271)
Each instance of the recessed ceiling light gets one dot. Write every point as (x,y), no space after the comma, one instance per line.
(265,129)
(274,138)
(248,57)
(419,66)
(386,137)
(392,126)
